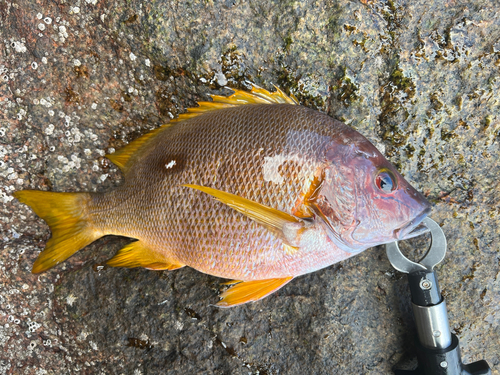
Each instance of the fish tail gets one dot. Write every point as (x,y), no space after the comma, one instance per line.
(68,218)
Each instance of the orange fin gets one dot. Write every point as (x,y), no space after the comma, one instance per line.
(65,213)
(122,157)
(285,225)
(257,95)
(136,254)
(231,282)
(250,291)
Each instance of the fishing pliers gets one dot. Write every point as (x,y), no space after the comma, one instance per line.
(437,348)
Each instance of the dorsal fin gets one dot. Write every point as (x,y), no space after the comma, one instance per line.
(257,95)
(121,157)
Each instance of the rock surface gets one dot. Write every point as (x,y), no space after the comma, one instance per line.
(420,79)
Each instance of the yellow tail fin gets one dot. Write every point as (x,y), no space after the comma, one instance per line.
(66,215)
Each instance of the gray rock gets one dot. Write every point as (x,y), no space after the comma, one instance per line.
(420,79)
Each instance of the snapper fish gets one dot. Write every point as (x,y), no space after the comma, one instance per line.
(251,187)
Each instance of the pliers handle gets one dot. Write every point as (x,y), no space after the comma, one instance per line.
(437,349)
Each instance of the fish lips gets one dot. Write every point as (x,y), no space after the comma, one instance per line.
(413,228)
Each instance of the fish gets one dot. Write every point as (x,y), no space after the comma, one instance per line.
(251,187)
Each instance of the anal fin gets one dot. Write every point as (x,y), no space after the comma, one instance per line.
(231,282)
(250,291)
(136,254)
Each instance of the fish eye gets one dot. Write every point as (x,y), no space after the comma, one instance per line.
(385,181)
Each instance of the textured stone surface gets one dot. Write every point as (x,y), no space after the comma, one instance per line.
(420,79)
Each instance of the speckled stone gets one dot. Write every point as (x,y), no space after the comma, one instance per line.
(420,79)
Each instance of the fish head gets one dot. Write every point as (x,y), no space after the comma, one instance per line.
(363,201)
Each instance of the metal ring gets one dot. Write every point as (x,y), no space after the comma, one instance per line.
(434,255)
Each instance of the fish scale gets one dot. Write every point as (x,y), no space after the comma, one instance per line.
(186,249)
(251,187)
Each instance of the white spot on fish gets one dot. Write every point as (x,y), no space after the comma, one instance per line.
(170,165)
(270,169)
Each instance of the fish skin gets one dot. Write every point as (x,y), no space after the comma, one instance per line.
(286,157)
(222,150)
(264,153)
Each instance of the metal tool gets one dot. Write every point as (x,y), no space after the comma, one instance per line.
(437,349)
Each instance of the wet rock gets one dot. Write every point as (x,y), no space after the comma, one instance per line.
(421,80)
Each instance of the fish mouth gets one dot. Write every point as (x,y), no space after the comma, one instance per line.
(413,228)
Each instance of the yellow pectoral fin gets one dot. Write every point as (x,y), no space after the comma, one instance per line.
(250,291)
(136,254)
(278,221)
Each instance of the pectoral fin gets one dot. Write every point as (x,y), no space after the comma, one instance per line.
(136,254)
(288,227)
(250,291)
